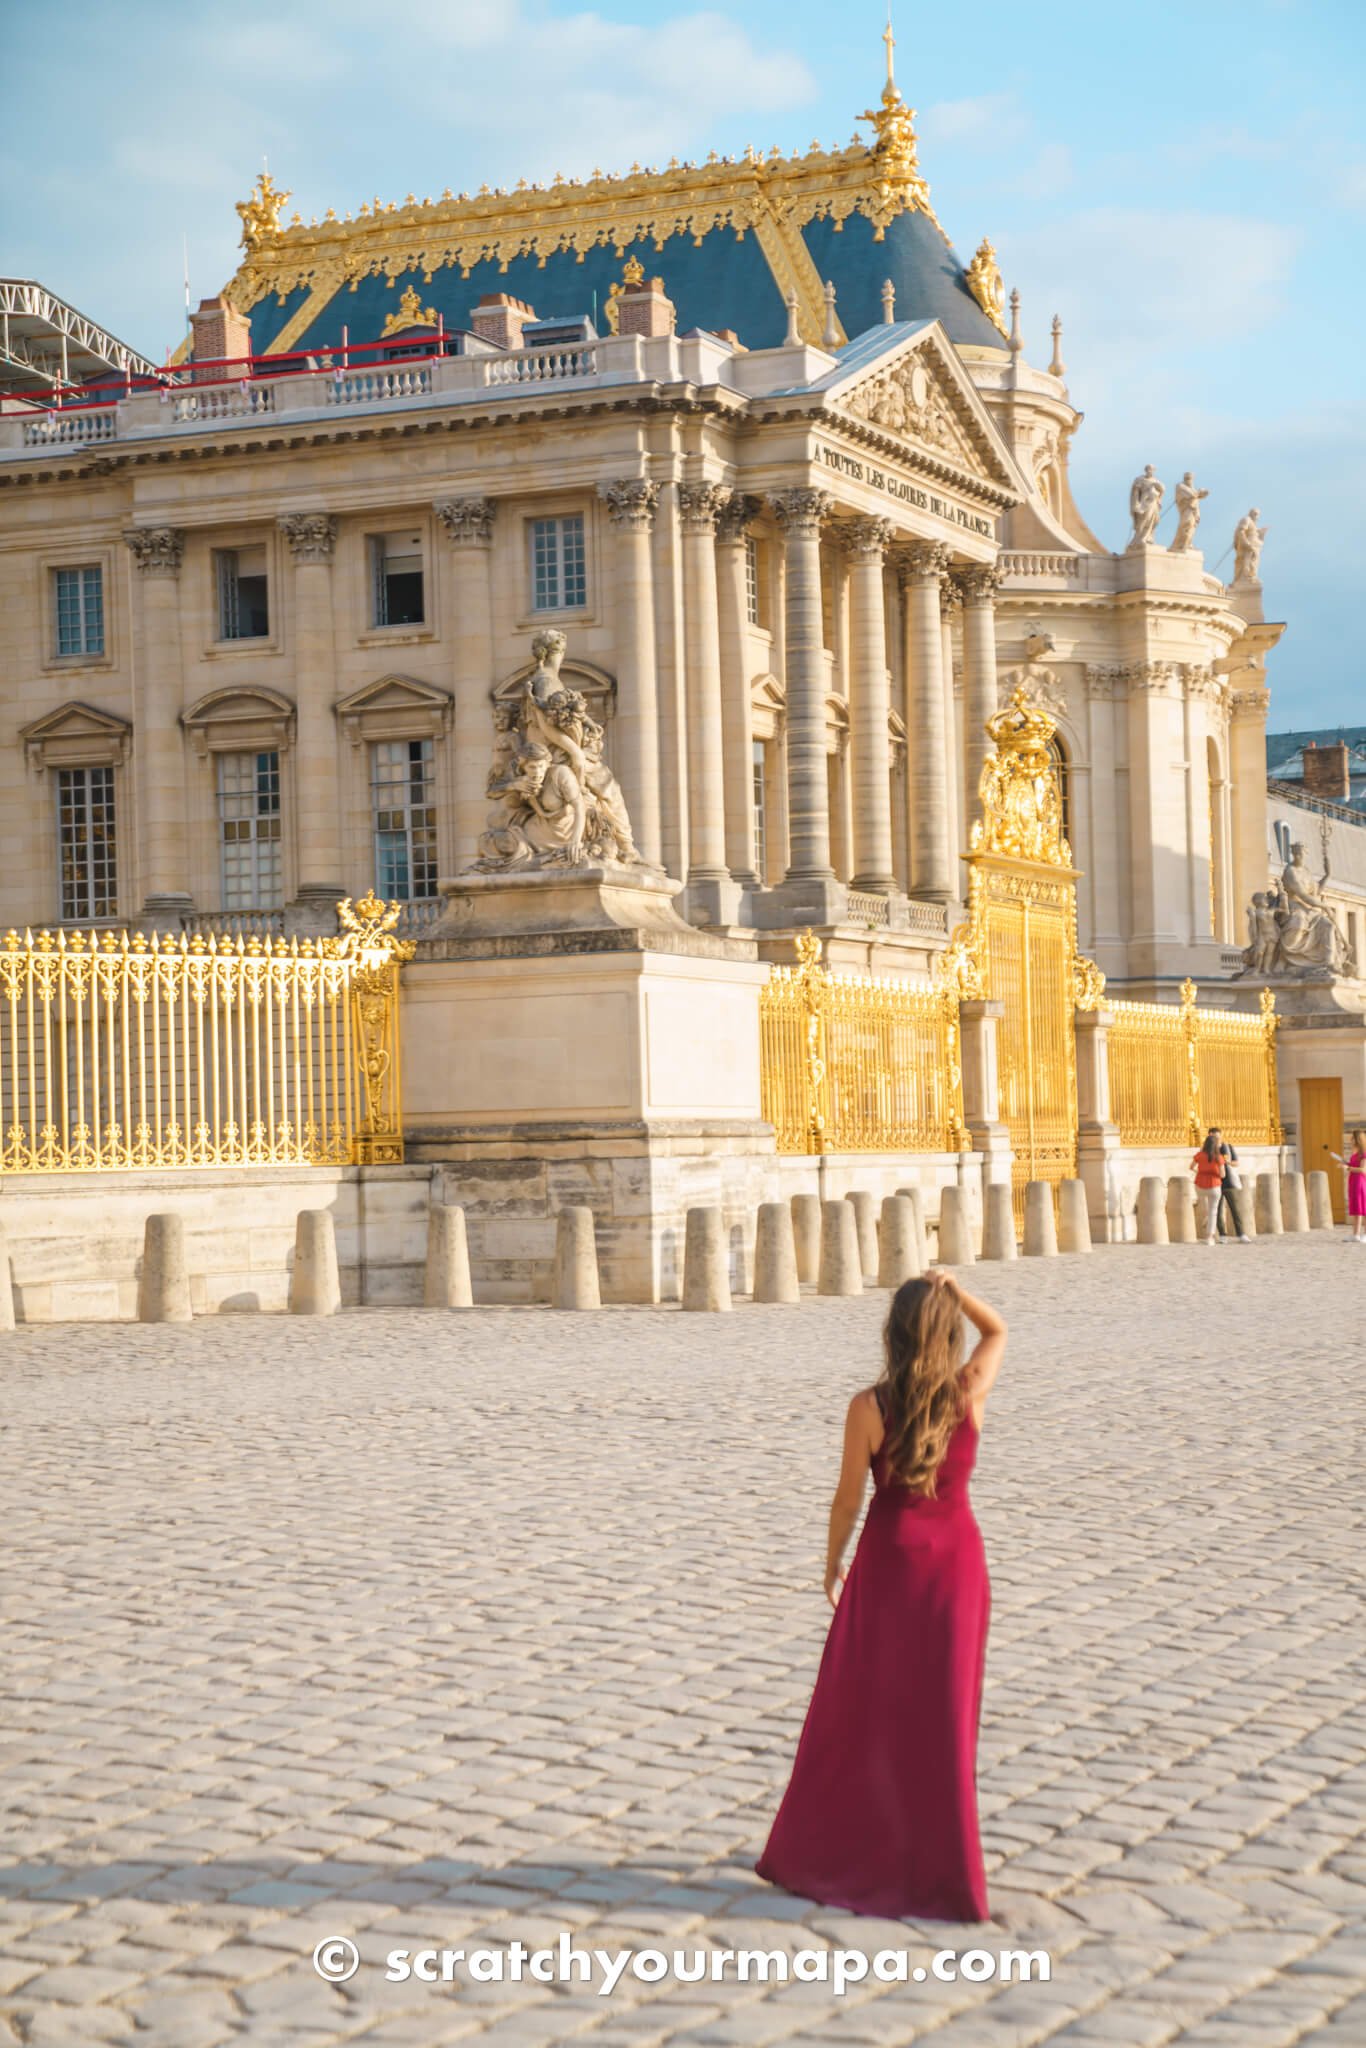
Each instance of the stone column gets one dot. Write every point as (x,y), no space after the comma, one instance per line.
(1098,1143)
(712,896)
(467,635)
(978,1022)
(931,861)
(866,541)
(1247,778)
(737,710)
(631,504)
(980,702)
(312,538)
(951,608)
(158,741)
(809,889)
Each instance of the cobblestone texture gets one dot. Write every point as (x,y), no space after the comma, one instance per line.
(445,1630)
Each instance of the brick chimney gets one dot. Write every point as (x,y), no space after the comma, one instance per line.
(218,330)
(644,309)
(499,318)
(1327,772)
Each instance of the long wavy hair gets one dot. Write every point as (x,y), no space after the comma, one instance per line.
(921,1391)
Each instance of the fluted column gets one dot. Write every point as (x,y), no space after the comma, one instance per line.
(866,542)
(631,504)
(698,505)
(799,513)
(312,538)
(158,744)
(978,585)
(950,608)
(737,711)
(467,634)
(930,856)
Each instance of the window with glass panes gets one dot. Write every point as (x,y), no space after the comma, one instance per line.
(243,600)
(79,597)
(249,830)
(559,576)
(85,841)
(752,579)
(396,571)
(760,813)
(402,784)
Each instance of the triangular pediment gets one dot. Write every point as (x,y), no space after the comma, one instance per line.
(76,733)
(395,707)
(905,382)
(393,693)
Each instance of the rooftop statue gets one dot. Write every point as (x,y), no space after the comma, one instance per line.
(260,214)
(1187,514)
(1247,548)
(558,804)
(1145,508)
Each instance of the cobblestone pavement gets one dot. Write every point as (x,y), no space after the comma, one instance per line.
(449,1630)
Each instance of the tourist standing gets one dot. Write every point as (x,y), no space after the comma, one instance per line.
(1208,1165)
(881,1814)
(1356,1185)
(1230,1189)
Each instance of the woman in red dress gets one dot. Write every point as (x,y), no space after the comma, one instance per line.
(881,1813)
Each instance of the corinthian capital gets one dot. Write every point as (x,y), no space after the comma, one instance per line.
(801,510)
(157,550)
(979,582)
(1251,703)
(631,502)
(925,561)
(869,538)
(699,506)
(735,515)
(468,521)
(312,536)
(950,599)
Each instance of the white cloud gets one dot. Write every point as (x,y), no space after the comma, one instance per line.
(993,120)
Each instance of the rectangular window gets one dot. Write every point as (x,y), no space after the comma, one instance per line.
(559,577)
(402,784)
(249,830)
(396,576)
(79,595)
(243,607)
(752,579)
(760,814)
(85,839)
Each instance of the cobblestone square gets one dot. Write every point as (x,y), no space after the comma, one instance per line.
(453,1630)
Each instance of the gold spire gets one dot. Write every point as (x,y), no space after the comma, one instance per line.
(894,150)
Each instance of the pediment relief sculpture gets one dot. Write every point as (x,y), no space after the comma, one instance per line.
(911,401)
(1040,688)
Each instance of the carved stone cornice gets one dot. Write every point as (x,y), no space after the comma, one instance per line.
(312,536)
(979,582)
(802,510)
(699,506)
(865,538)
(468,522)
(924,561)
(630,502)
(157,550)
(1250,703)
(735,515)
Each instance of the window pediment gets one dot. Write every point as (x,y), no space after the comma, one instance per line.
(586,677)
(238,720)
(76,735)
(395,707)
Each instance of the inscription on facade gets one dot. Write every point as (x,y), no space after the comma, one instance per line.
(907,494)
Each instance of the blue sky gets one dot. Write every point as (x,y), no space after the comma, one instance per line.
(1184,183)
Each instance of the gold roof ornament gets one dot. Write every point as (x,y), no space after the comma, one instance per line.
(1021,801)
(895,149)
(632,278)
(410,312)
(260,214)
(987,285)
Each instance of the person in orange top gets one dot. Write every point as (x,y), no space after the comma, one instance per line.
(1208,1167)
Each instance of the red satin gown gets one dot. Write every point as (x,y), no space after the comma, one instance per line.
(881,1814)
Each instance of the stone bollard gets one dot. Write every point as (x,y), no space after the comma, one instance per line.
(314,1284)
(706,1275)
(446,1283)
(6,1286)
(164,1283)
(1294,1207)
(574,1279)
(1320,1204)
(1180,1209)
(1074,1217)
(955,1231)
(865,1218)
(998,1225)
(1152,1210)
(806,1231)
(1268,1205)
(913,1196)
(1040,1225)
(775,1253)
(841,1265)
(898,1253)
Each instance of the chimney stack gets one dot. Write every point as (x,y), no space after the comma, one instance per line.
(218,330)
(1327,772)
(644,308)
(499,319)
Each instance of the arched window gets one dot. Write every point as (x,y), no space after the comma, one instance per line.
(1059,753)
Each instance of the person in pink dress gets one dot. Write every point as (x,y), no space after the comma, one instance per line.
(1356,1185)
(880,1815)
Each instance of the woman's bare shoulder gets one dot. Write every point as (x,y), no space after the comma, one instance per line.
(866,1406)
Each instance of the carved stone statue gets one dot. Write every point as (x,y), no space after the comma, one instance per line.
(1263,933)
(558,804)
(1187,514)
(1292,931)
(1247,548)
(1145,507)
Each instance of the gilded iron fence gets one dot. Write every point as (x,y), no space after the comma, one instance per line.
(123,1050)
(850,1063)
(1176,1071)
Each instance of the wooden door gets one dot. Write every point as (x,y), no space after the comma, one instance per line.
(1321,1132)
